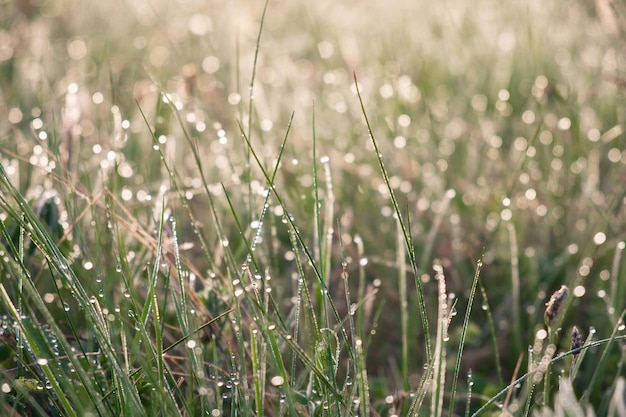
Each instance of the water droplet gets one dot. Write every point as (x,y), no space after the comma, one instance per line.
(277,380)
(66,307)
(353,309)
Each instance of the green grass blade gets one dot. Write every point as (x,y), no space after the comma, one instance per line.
(598,369)
(468,311)
(407,239)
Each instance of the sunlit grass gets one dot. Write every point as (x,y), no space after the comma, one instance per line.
(284,208)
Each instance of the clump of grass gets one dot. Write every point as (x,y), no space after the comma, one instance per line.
(173,244)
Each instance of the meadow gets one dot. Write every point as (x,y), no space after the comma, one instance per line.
(329,208)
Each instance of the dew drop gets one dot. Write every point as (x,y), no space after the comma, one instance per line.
(277,380)
(353,309)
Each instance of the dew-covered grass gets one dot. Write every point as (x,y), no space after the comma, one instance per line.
(321,208)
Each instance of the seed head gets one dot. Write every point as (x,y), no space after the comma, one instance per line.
(555,304)
(577,341)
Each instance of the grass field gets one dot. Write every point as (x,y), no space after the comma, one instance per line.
(327,208)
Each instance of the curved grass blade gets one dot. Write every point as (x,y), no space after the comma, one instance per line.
(407,238)
(524,377)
